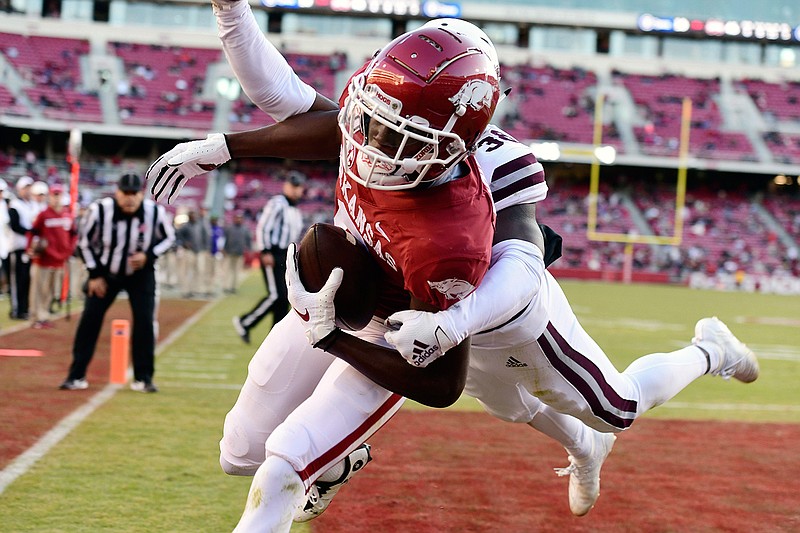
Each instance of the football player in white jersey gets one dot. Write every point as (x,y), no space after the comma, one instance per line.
(530,324)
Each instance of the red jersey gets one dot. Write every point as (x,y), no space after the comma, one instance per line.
(433,243)
(56,229)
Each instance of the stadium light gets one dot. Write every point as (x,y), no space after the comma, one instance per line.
(547,151)
(606,154)
(787,58)
(229,88)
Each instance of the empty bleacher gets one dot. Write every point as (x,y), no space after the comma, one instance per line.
(50,68)
(660,99)
(164,85)
(553,104)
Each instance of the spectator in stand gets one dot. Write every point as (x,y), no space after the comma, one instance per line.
(205,259)
(39,191)
(188,239)
(238,241)
(21,213)
(217,244)
(6,236)
(51,242)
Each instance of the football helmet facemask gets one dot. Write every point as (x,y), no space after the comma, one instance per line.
(418,109)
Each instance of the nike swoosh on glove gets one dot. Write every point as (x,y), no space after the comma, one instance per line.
(170,172)
(316,309)
(419,336)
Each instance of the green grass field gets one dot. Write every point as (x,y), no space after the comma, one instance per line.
(144,463)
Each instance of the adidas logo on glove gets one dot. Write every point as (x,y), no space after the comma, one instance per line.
(422,352)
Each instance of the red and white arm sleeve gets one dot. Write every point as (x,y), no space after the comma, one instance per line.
(514,276)
(265,76)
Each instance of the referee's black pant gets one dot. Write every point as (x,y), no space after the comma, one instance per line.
(277,299)
(19,283)
(141,289)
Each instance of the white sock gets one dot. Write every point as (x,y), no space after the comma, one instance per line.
(275,493)
(567,430)
(660,376)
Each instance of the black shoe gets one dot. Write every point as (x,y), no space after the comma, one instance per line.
(243,333)
(74,384)
(143,386)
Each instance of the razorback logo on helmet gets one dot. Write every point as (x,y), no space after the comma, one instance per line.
(476,94)
(381,167)
(452,288)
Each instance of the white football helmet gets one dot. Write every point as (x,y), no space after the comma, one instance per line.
(418,108)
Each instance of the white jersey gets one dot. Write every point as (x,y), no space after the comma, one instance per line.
(5,230)
(26,211)
(510,169)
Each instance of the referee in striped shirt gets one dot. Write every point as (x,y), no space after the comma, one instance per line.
(280,223)
(120,240)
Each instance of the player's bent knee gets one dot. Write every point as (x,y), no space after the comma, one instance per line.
(290,441)
(236,455)
(236,469)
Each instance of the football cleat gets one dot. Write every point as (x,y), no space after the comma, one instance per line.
(322,492)
(736,359)
(584,474)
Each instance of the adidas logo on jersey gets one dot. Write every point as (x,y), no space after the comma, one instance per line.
(422,351)
(515,363)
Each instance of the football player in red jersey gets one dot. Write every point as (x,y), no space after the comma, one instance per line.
(514,175)
(501,315)
(411,191)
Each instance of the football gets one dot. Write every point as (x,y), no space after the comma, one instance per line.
(324,247)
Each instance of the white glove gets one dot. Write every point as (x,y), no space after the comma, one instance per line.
(421,337)
(314,308)
(170,172)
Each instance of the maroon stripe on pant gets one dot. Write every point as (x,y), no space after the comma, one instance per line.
(576,380)
(356,436)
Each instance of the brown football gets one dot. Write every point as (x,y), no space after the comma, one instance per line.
(324,247)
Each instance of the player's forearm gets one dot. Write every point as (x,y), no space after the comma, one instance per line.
(309,136)
(265,76)
(507,288)
(438,385)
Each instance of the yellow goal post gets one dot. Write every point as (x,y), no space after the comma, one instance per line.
(680,196)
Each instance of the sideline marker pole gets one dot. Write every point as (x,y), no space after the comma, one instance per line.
(120,351)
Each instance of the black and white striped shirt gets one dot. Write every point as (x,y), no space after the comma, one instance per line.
(280,223)
(108,236)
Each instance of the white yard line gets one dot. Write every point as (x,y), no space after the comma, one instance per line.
(733,406)
(28,458)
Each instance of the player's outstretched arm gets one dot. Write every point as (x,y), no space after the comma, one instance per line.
(265,76)
(513,278)
(309,136)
